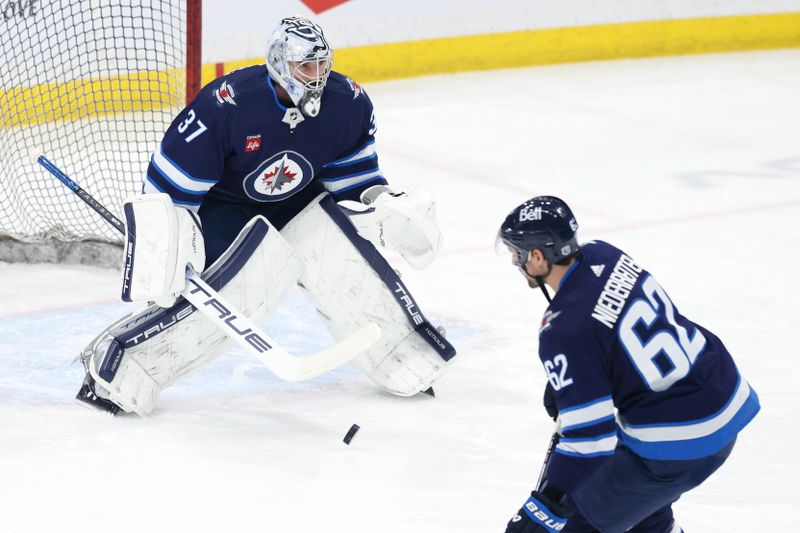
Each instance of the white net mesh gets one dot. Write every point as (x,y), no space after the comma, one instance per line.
(92,85)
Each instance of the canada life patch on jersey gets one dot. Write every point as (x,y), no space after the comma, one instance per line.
(253,143)
(224,93)
(279,177)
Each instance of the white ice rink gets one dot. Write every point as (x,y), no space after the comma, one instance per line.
(690,164)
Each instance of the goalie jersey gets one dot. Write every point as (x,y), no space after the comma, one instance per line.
(612,340)
(238,142)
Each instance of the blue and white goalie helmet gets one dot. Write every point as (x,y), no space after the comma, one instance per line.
(299,59)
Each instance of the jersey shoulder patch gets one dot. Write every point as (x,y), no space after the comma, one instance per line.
(345,87)
(235,88)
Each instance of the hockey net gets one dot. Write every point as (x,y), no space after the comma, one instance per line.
(92,86)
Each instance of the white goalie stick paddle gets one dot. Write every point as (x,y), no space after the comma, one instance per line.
(235,324)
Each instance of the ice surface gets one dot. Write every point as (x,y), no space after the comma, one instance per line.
(690,164)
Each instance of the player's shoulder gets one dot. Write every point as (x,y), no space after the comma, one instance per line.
(345,91)
(237,89)
(600,251)
(568,317)
(607,263)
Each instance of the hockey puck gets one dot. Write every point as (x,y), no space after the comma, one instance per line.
(352,433)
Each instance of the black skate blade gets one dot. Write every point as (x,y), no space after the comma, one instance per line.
(88,398)
(430,392)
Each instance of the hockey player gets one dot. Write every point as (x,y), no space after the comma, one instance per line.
(267,180)
(649,403)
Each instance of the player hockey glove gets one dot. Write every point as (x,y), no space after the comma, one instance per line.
(399,221)
(540,514)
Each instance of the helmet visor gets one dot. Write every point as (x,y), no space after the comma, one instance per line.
(508,251)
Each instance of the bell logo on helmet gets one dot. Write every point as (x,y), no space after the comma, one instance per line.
(530,214)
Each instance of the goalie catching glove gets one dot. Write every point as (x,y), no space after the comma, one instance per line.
(161,241)
(403,222)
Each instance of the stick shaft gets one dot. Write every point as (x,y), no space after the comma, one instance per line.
(83,195)
(550,449)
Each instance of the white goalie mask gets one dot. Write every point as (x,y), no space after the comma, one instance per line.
(299,59)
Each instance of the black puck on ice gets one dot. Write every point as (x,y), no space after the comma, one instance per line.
(352,433)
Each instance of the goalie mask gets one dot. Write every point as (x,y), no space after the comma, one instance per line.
(299,59)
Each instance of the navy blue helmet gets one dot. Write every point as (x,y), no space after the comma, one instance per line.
(543,223)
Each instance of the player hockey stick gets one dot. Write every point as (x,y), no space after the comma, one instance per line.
(550,449)
(234,323)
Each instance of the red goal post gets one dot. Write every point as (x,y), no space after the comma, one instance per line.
(93,86)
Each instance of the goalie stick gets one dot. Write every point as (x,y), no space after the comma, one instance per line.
(234,323)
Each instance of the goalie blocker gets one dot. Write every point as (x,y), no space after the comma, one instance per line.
(350,283)
(161,240)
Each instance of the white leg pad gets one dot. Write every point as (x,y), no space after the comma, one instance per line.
(143,353)
(351,285)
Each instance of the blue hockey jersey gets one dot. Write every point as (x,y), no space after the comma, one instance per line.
(238,139)
(628,368)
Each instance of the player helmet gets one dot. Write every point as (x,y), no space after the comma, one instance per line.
(299,59)
(545,223)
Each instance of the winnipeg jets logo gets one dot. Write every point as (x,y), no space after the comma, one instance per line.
(224,93)
(279,177)
(355,87)
(547,320)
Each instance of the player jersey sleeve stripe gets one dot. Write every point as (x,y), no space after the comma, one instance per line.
(592,430)
(152,185)
(179,178)
(364,153)
(342,184)
(587,414)
(694,439)
(346,171)
(588,447)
